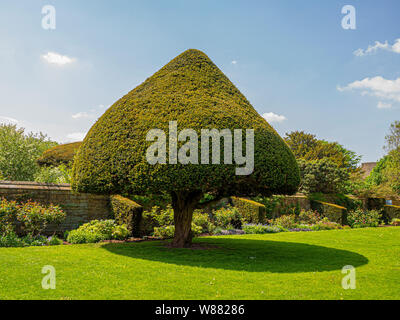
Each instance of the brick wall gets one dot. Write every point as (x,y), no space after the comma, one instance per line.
(79,207)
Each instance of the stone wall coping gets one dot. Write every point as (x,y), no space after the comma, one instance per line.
(33,185)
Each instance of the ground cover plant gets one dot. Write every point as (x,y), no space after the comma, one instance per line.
(304,265)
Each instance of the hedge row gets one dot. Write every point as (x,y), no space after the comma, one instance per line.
(62,154)
(127,212)
(392,212)
(251,211)
(333,212)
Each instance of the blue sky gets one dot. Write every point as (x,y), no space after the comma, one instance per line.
(292,59)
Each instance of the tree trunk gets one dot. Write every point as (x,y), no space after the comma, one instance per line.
(184,204)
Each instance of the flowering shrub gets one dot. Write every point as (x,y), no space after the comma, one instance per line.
(35,217)
(98,230)
(227,218)
(309,217)
(8,212)
(363,219)
(325,224)
(287,222)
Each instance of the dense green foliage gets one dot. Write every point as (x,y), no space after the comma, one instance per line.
(384,180)
(194,92)
(322,176)
(251,211)
(58,155)
(19,152)
(364,218)
(28,218)
(98,230)
(307,147)
(127,212)
(55,175)
(325,166)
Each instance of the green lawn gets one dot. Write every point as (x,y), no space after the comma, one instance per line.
(276,266)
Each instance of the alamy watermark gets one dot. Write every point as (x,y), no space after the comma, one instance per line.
(49,17)
(189,152)
(49,280)
(349,280)
(349,20)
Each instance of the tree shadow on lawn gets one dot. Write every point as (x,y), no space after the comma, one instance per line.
(245,255)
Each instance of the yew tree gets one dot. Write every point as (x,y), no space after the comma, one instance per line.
(193,93)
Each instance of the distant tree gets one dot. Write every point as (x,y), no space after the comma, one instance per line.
(393,138)
(322,176)
(19,152)
(307,147)
(324,166)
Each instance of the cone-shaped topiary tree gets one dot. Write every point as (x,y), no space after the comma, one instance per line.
(190,92)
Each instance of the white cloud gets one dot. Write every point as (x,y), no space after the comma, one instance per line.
(378,87)
(272,117)
(234,62)
(93,113)
(8,120)
(383,105)
(76,136)
(379,46)
(81,115)
(57,59)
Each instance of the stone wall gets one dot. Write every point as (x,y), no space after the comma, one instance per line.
(79,207)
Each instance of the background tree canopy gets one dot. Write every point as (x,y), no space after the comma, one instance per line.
(19,152)
(324,166)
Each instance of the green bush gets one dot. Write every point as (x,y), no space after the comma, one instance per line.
(227,218)
(325,224)
(8,216)
(54,241)
(251,211)
(202,220)
(98,230)
(287,221)
(167,232)
(391,212)
(309,217)
(261,229)
(127,212)
(11,239)
(333,212)
(57,175)
(364,218)
(322,176)
(35,217)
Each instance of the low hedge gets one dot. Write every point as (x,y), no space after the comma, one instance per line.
(62,154)
(251,211)
(391,212)
(127,212)
(333,212)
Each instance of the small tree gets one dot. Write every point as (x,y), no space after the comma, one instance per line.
(192,91)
